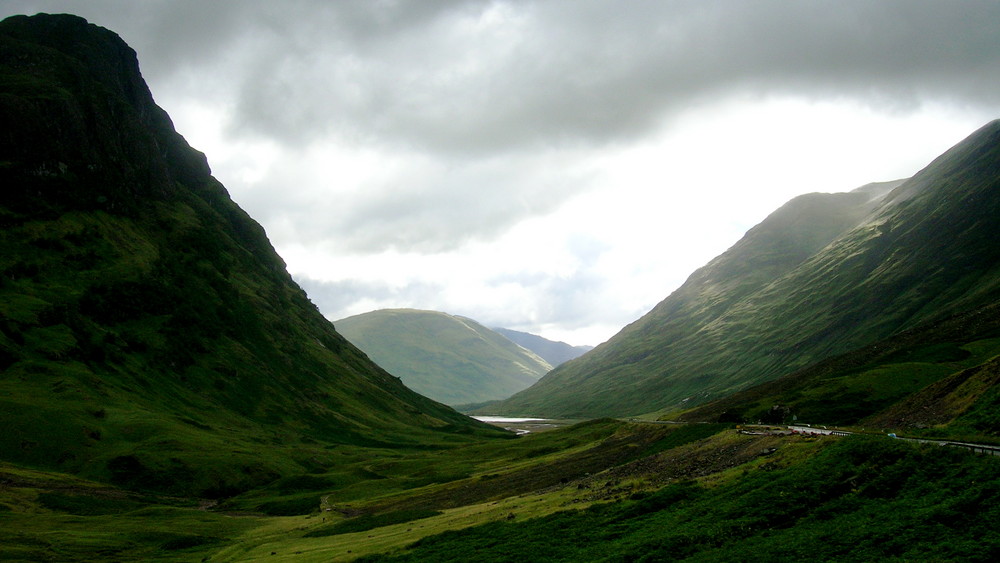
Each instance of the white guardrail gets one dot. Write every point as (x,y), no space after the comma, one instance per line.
(978,448)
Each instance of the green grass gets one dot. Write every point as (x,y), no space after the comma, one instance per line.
(381,489)
(679,436)
(145,534)
(370,481)
(859,500)
(653,491)
(86,505)
(52,516)
(365,523)
(849,389)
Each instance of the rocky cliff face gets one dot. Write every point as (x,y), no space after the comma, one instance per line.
(80,123)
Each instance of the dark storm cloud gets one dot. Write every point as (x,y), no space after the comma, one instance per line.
(496,76)
(476,77)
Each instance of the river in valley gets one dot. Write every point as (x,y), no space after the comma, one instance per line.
(525,425)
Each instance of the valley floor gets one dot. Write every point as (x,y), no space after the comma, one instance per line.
(630,486)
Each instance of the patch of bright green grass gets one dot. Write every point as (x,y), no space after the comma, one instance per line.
(57,517)
(365,523)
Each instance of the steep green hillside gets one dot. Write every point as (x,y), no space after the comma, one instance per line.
(824,274)
(555,353)
(962,406)
(149,335)
(903,382)
(451,359)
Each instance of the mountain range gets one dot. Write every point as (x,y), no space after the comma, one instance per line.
(448,358)
(821,276)
(554,352)
(168,393)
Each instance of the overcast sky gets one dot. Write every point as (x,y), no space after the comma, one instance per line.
(557,167)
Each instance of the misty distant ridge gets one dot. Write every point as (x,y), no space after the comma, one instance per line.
(878,190)
(553,352)
(449,358)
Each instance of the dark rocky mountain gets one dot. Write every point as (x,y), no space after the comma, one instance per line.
(150,336)
(825,274)
(555,353)
(449,358)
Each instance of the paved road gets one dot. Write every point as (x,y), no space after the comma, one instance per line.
(978,448)
(990,449)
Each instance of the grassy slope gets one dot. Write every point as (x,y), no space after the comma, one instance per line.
(48,516)
(450,359)
(602,491)
(852,388)
(149,335)
(962,406)
(857,500)
(769,251)
(765,308)
(383,499)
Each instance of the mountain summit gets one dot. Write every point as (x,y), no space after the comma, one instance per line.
(824,274)
(149,334)
(449,358)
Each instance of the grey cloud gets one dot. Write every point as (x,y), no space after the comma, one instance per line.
(476,203)
(517,80)
(439,208)
(438,77)
(563,73)
(168,35)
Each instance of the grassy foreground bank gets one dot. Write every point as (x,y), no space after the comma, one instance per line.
(599,491)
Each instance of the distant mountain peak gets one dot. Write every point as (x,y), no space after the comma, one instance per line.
(449,358)
(555,353)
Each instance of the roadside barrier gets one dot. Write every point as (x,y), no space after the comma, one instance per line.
(987,449)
